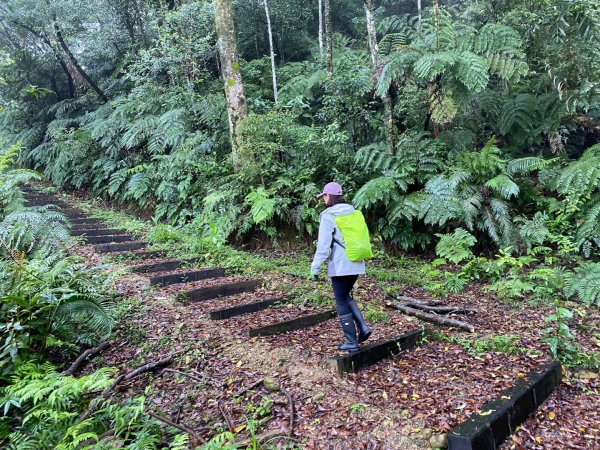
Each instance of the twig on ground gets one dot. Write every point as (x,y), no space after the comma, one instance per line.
(195,376)
(252,386)
(89,353)
(291,401)
(176,425)
(225,416)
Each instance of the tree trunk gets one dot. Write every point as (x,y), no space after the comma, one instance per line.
(271,49)
(230,69)
(321,28)
(420,11)
(65,48)
(388,107)
(329,38)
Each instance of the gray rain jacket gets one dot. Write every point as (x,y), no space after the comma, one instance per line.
(338,263)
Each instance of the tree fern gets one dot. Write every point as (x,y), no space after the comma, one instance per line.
(456,246)
(584,283)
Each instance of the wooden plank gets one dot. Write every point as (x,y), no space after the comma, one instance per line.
(293,324)
(148,254)
(163,265)
(120,247)
(108,238)
(500,417)
(86,221)
(221,290)
(157,267)
(226,313)
(365,357)
(186,277)
(97,232)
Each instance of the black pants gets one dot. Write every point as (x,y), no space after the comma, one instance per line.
(342,286)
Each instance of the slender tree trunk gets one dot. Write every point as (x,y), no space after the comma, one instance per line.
(321,28)
(329,38)
(230,69)
(271,49)
(65,48)
(388,107)
(420,11)
(57,55)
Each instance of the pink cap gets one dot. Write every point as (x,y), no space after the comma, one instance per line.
(331,189)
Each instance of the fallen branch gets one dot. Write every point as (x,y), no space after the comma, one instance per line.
(176,425)
(225,416)
(291,401)
(89,353)
(252,386)
(433,317)
(134,373)
(441,309)
(196,376)
(150,366)
(404,298)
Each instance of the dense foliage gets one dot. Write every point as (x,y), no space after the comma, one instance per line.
(489,122)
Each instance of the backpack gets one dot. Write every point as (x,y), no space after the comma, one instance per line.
(356,236)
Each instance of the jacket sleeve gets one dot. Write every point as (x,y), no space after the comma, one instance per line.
(326,230)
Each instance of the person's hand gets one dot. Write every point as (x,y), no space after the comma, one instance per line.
(313,277)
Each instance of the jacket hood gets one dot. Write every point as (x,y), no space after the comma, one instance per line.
(341,209)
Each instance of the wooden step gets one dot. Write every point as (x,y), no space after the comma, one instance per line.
(186,277)
(293,324)
(162,266)
(226,313)
(97,232)
(500,417)
(86,221)
(120,247)
(221,290)
(145,254)
(107,239)
(367,356)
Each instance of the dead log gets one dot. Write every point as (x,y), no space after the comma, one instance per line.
(85,356)
(435,318)
(441,309)
(404,298)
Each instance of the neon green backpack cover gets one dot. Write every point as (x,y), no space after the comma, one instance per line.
(356,236)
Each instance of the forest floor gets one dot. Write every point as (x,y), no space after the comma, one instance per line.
(409,401)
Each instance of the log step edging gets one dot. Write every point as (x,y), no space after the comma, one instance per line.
(97,232)
(227,313)
(293,324)
(500,417)
(164,265)
(186,277)
(146,254)
(109,238)
(120,247)
(221,290)
(367,356)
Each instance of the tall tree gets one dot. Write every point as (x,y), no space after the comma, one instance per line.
(321,28)
(329,38)
(270,33)
(237,108)
(59,37)
(376,61)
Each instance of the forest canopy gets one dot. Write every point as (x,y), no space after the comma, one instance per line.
(435,116)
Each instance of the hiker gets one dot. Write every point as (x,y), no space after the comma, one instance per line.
(344,271)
